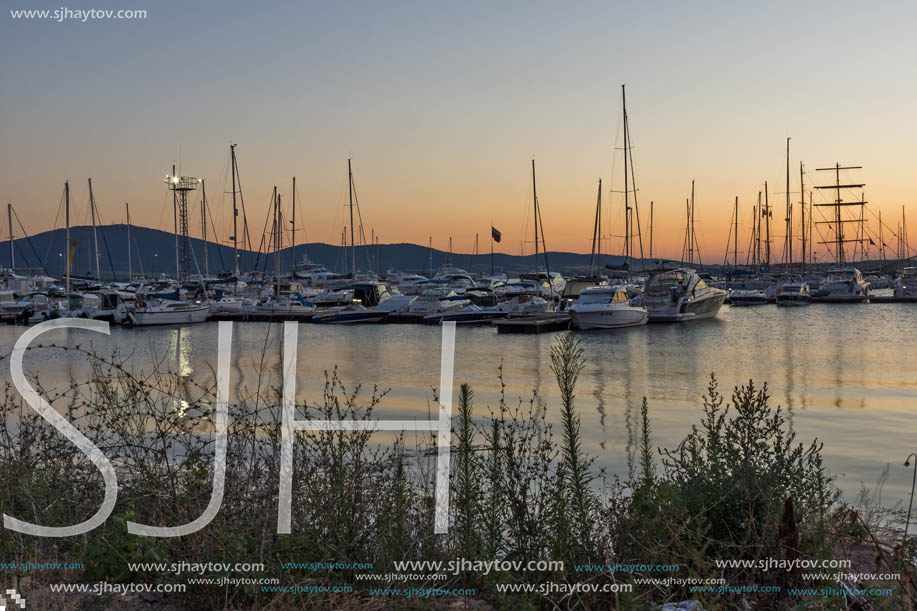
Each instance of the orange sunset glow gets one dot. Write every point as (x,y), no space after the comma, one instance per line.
(442,111)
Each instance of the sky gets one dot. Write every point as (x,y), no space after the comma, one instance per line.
(443,106)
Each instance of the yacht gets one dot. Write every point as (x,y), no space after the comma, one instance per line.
(162,312)
(906,284)
(794,293)
(748,297)
(606,307)
(282,306)
(844,286)
(358,313)
(548,283)
(681,295)
(101,305)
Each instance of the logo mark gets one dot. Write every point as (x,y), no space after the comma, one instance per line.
(14,599)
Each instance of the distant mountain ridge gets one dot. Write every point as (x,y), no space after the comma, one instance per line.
(153,252)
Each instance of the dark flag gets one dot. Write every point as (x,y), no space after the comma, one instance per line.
(495,234)
(871,243)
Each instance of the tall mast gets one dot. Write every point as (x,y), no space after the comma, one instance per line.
(840,239)
(353,247)
(596,232)
(598,244)
(67,216)
(735,246)
(767,227)
(881,239)
(130,273)
(802,206)
(95,238)
(9,215)
(275,221)
(175,218)
(535,205)
(789,211)
(235,213)
(758,216)
(651,230)
(627,218)
(293,222)
(204,227)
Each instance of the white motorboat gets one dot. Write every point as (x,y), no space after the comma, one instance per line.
(163,312)
(681,295)
(906,284)
(844,286)
(101,305)
(282,307)
(748,297)
(606,307)
(794,293)
(524,304)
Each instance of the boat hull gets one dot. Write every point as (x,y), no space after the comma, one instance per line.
(795,301)
(178,317)
(613,318)
(686,310)
(349,318)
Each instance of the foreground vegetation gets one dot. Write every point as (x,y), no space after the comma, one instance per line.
(738,487)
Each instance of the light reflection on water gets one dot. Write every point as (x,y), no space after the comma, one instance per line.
(842,372)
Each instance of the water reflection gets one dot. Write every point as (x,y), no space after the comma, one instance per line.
(819,361)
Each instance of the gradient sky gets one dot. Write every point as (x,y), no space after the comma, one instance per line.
(442,107)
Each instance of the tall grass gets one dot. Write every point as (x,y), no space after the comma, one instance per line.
(738,486)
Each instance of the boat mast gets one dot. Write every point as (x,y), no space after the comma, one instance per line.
(651,229)
(767,227)
(802,205)
(881,239)
(175,230)
(758,216)
(353,247)
(68,251)
(9,215)
(735,239)
(627,217)
(788,250)
(596,232)
(535,205)
(204,227)
(130,273)
(276,201)
(293,222)
(235,214)
(839,238)
(95,238)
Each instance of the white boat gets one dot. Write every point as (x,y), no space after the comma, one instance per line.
(163,312)
(794,293)
(844,286)
(101,305)
(228,304)
(748,297)
(681,295)
(906,284)
(282,307)
(606,307)
(524,304)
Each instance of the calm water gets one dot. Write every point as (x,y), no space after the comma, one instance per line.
(843,372)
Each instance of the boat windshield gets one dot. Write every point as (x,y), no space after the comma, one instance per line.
(663,283)
(595,298)
(840,276)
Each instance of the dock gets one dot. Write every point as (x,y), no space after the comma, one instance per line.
(538,323)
